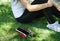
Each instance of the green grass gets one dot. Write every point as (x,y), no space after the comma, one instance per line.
(8,24)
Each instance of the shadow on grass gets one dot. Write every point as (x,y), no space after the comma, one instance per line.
(8,25)
(55,37)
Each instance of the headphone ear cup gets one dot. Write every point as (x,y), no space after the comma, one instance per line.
(22,35)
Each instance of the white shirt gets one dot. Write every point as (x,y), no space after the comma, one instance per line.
(17,8)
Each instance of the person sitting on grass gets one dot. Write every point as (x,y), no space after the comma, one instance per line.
(24,12)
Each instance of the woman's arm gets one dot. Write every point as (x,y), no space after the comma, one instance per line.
(36,7)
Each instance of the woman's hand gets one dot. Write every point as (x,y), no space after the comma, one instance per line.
(58,8)
(56,5)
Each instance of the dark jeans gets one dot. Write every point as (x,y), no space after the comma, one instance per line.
(47,12)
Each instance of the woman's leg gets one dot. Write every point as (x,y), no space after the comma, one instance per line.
(47,11)
(53,24)
(39,1)
(49,15)
(56,12)
(29,16)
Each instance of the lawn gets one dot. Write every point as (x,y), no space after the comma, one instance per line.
(8,26)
